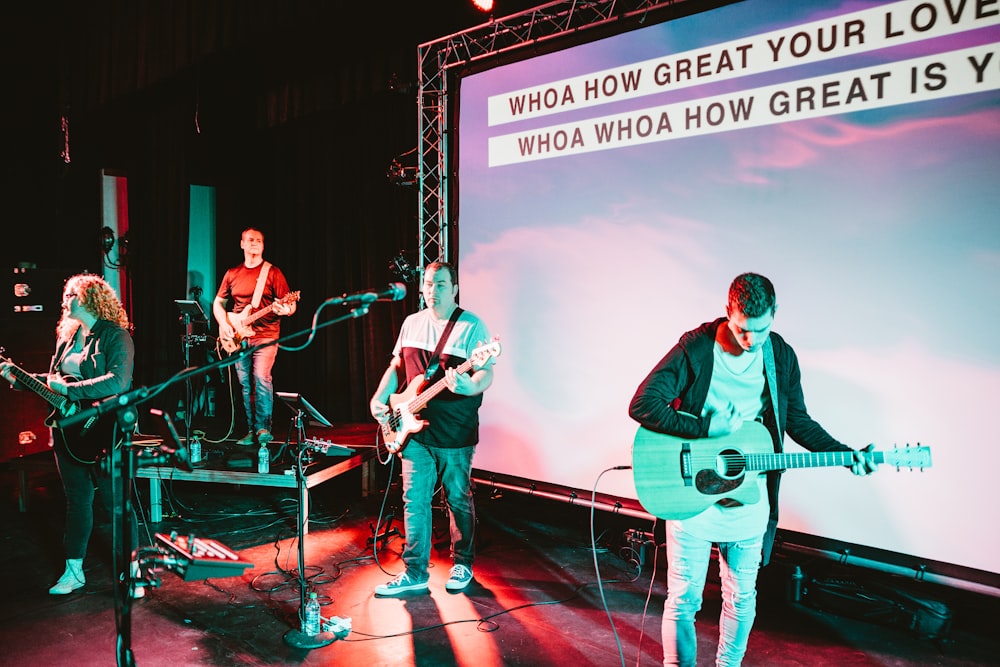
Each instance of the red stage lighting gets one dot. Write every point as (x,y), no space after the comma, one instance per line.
(483,5)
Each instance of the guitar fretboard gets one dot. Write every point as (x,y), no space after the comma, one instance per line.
(425,396)
(40,388)
(802,460)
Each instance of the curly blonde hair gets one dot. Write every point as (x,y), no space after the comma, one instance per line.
(98,298)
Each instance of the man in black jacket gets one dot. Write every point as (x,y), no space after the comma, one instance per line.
(715,378)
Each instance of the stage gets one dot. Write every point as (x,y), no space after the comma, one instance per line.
(536,599)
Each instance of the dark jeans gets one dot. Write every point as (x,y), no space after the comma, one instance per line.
(80,481)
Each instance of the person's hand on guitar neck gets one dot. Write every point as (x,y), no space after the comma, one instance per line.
(864,461)
(6,373)
(57,384)
(460,383)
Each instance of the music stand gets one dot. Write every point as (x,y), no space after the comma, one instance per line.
(299,405)
(191,310)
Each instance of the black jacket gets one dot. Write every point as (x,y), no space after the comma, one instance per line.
(672,396)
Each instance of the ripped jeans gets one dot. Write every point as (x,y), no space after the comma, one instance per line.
(687,562)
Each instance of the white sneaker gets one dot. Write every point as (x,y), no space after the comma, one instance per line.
(459,578)
(404,583)
(71,579)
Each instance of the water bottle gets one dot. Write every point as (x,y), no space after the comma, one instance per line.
(311,623)
(195,450)
(795,583)
(263,460)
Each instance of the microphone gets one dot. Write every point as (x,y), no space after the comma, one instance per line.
(99,408)
(394,292)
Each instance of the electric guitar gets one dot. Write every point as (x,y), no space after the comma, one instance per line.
(401,421)
(241,322)
(677,478)
(88,442)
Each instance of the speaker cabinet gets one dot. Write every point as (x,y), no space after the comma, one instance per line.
(29,310)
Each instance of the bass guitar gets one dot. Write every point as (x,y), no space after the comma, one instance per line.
(402,419)
(88,442)
(676,478)
(241,322)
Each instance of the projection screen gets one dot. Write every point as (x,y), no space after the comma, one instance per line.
(609,192)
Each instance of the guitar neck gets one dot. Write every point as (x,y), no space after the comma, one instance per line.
(424,397)
(40,388)
(764,462)
(259,314)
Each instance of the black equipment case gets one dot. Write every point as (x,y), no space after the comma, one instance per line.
(893,604)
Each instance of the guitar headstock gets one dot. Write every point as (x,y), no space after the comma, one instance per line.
(484,353)
(291,297)
(908,457)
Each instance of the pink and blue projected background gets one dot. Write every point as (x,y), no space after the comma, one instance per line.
(609,192)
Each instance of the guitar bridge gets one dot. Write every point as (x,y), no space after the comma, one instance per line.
(685,464)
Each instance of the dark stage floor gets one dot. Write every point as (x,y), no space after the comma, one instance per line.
(535,600)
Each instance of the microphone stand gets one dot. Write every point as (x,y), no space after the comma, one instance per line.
(124,405)
(188,390)
(121,467)
(190,339)
(143,394)
(297,637)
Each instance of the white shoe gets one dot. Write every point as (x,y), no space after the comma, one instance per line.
(71,579)
(459,578)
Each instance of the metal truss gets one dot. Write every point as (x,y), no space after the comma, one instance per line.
(464,49)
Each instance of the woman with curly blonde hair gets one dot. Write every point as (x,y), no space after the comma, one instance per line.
(94,359)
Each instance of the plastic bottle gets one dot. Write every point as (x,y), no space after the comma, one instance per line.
(195,450)
(795,583)
(263,460)
(311,622)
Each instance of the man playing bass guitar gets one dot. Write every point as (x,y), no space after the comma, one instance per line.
(434,344)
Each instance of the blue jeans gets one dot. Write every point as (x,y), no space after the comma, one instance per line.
(422,466)
(258,397)
(687,562)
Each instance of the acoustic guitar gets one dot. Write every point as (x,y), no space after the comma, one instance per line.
(676,478)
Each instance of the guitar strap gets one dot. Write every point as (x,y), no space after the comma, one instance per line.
(259,290)
(772,379)
(432,363)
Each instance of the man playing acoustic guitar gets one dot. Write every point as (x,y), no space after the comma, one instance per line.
(717,377)
(255,288)
(432,344)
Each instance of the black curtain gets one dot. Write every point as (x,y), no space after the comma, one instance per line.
(295,126)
